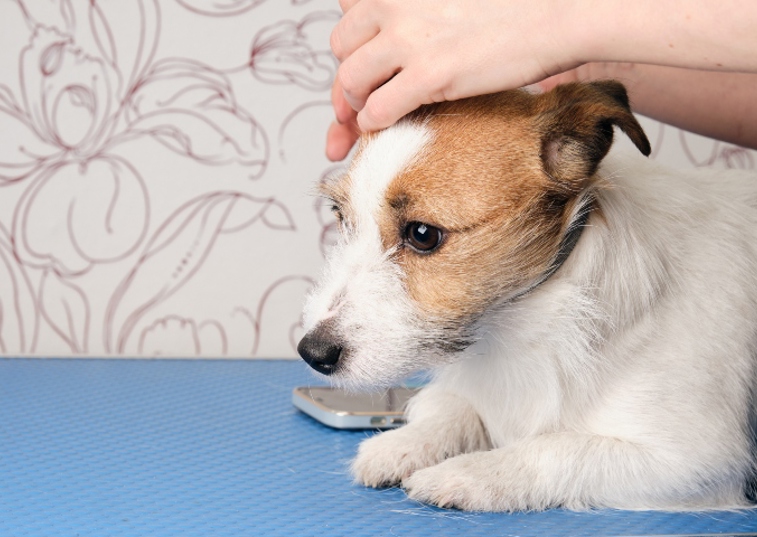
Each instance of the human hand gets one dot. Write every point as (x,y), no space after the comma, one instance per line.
(399,54)
(343,132)
(548,84)
(588,72)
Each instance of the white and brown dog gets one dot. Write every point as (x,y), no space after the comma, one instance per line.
(590,319)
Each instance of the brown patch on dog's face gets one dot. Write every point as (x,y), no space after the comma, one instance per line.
(482,183)
(500,179)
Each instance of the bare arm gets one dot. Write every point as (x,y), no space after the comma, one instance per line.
(399,54)
(721,105)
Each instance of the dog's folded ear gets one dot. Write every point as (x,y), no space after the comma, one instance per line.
(576,122)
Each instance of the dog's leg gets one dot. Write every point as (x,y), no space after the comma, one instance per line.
(440,425)
(576,471)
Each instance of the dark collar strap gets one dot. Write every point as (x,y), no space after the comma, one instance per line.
(569,241)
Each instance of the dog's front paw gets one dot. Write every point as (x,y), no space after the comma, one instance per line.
(467,482)
(387,458)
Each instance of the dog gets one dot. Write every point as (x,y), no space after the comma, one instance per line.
(588,317)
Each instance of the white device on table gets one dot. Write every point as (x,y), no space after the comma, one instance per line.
(348,410)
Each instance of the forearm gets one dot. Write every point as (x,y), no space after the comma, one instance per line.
(694,34)
(399,54)
(719,105)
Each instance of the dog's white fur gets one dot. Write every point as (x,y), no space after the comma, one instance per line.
(625,380)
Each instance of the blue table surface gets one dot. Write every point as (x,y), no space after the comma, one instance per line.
(215,448)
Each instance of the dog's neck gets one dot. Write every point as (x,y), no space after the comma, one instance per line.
(568,243)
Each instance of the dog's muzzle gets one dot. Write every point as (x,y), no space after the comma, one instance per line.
(321,349)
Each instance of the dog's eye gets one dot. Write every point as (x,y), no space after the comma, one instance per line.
(422,237)
(336,210)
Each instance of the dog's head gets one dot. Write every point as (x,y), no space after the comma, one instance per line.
(448,215)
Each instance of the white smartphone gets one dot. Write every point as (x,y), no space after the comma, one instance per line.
(347,410)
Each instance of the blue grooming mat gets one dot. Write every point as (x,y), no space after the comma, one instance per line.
(214,448)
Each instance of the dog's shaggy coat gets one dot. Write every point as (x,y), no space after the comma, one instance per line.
(625,379)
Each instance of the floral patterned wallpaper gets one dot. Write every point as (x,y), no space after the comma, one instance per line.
(157,163)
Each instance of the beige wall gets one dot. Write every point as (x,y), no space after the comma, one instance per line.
(157,160)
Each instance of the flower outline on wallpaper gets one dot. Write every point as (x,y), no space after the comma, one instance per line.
(182,335)
(283,53)
(77,105)
(177,250)
(190,337)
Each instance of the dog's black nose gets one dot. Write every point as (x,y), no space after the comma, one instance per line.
(320,349)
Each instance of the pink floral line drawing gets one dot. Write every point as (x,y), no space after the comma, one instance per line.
(87,85)
(177,250)
(657,140)
(103,201)
(225,8)
(66,309)
(294,113)
(188,335)
(62,304)
(256,319)
(283,53)
(90,82)
(730,155)
(78,105)
(737,157)
(19,316)
(190,108)
(220,8)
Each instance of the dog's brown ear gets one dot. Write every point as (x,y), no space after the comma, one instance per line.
(576,122)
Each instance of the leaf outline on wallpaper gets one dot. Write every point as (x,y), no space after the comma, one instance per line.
(66,309)
(284,53)
(178,249)
(19,312)
(191,109)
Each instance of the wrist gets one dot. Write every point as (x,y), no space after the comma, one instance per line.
(575,33)
(611,32)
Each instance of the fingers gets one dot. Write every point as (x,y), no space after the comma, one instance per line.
(388,103)
(343,133)
(563,78)
(342,109)
(340,139)
(357,27)
(346,5)
(365,70)
(583,73)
